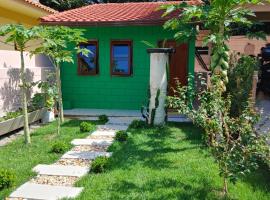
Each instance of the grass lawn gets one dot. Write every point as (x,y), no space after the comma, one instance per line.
(22,158)
(168,163)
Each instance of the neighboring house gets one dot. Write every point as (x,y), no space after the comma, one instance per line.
(240,43)
(24,12)
(116,73)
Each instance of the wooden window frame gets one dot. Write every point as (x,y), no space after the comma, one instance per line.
(93,72)
(130,60)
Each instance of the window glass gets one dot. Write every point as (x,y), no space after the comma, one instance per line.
(88,64)
(121,58)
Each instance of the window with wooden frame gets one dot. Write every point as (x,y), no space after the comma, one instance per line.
(88,65)
(121,57)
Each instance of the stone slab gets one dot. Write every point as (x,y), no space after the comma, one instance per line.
(45,192)
(114,127)
(85,155)
(178,119)
(104,133)
(97,142)
(60,170)
(122,120)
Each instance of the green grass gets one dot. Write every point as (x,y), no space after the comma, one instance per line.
(168,163)
(21,158)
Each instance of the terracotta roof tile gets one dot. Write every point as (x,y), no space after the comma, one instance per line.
(39,5)
(144,13)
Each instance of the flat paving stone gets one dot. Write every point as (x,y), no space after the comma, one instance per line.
(122,120)
(96,142)
(114,127)
(178,119)
(60,170)
(45,192)
(86,155)
(104,133)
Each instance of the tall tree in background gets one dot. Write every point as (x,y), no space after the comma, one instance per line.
(62,5)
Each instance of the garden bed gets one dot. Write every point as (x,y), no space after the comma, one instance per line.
(18,122)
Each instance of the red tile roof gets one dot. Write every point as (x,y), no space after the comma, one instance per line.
(39,5)
(113,14)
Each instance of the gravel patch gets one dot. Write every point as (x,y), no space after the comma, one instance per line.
(89,148)
(74,162)
(54,180)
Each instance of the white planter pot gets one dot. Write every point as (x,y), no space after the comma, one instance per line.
(18,122)
(48,117)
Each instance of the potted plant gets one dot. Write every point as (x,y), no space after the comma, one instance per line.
(49,97)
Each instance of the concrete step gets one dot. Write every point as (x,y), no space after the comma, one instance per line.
(97,142)
(45,192)
(112,127)
(60,170)
(86,155)
(104,133)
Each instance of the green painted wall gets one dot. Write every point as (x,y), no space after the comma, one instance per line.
(104,91)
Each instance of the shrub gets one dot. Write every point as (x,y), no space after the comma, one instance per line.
(239,87)
(121,136)
(86,127)
(138,124)
(59,147)
(7,178)
(103,118)
(100,164)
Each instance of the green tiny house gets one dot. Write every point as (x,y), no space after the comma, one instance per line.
(116,73)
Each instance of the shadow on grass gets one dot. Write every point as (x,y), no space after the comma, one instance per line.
(149,147)
(181,190)
(260,179)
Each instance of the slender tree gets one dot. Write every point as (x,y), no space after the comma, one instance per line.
(20,36)
(233,141)
(55,45)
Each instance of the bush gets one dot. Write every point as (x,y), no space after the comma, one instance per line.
(239,86)
(59,147)
(86,127)
(121,136)
(100,164)
(7,178)
(103,118)
(138,124)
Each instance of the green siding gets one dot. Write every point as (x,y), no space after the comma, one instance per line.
(104,91)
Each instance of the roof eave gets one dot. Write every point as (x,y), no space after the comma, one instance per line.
(110,23)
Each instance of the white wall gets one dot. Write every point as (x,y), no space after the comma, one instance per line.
(36,67)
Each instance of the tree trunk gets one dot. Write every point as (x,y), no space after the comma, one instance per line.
(59,88)
(225,187)
(24,101)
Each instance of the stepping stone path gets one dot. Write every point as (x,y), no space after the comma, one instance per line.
(98,142)
(55,181)
(85,155)
(60,170)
